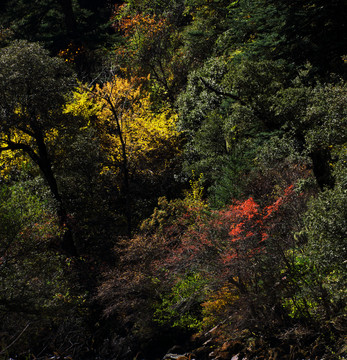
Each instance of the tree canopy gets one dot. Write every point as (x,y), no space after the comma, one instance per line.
(173,175)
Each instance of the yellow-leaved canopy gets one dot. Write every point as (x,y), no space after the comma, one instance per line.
(13,160)
(130,132)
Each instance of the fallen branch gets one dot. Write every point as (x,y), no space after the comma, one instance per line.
(15,340)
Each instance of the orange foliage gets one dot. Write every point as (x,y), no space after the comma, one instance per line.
(139,23)
(139,31)
(218,303)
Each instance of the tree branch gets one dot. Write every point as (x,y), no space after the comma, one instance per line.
(19,146)
(14,341)
(219,92)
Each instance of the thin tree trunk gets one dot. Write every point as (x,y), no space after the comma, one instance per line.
(125,170)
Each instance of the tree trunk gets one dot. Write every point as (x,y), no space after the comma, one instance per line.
(45,166)
(321,159)
(70,20)
(125,168)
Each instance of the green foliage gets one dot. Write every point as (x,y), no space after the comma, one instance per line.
(35,290)
(326,116)
(256,246)
(33,89)
(314,112)
(326,231)
(295,31)
(232,178)
(181,306)
(196,101)
(227,114)
(316,117)
(32,85)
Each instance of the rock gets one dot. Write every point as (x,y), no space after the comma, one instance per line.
(177,357)
(176,349)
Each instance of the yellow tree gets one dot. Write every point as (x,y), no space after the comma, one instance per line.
(136,139)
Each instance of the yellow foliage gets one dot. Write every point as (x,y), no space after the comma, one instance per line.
(9,159)
(82,104)
(14,159)
(120,111)
(195,193)
(216,307)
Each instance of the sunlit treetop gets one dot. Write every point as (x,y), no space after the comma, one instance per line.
(122,112)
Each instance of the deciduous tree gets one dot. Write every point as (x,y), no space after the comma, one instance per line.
(137,141)
(33,88)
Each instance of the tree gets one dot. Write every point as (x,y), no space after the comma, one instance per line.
(325,228)
(139,142)
(38,287)
(316,116)
(297,31)
(226,114)
(132,303)
(57,23)
(151,45)
(186,252)
(33,88)
(245,246)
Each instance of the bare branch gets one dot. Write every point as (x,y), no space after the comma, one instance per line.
(15,340)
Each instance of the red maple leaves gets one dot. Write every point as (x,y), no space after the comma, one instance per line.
(225,238)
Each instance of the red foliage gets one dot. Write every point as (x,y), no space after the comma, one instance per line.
(227,240)
(242,245)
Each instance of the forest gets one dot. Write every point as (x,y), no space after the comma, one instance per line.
(173,179)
